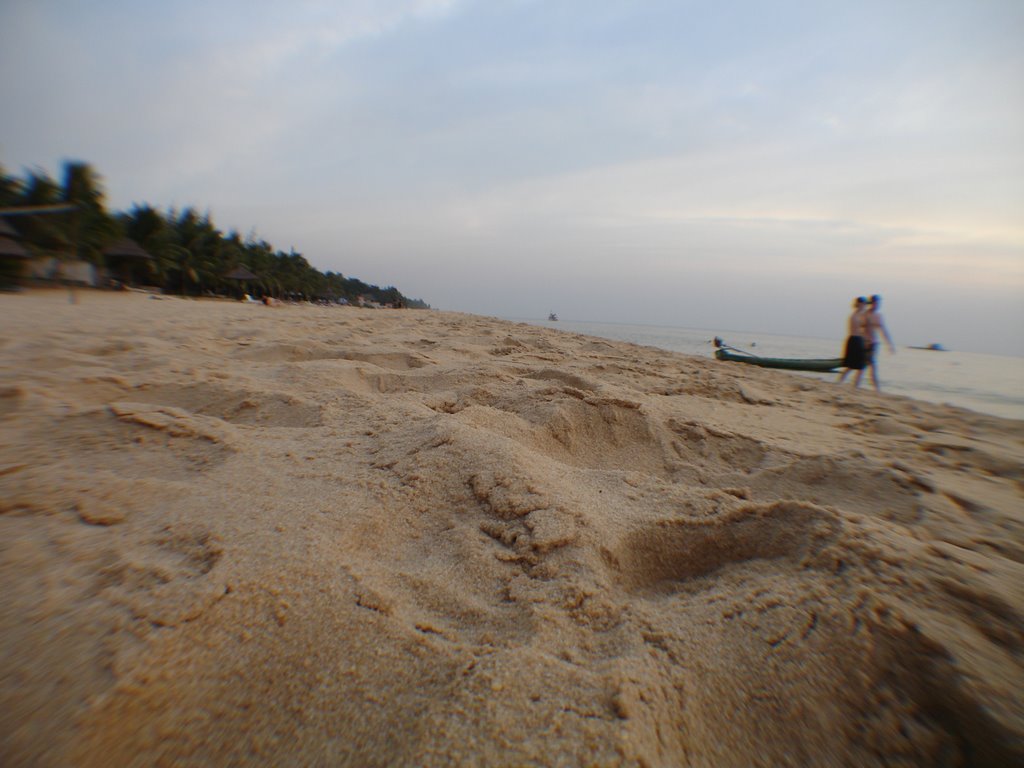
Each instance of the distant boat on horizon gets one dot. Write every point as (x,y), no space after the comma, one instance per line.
(931,348)
(553,317)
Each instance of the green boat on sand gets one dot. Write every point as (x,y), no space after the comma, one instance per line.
(825,365)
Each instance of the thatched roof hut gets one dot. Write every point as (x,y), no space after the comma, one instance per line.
(241,272)
(9,245)
(129,261)
(126,249)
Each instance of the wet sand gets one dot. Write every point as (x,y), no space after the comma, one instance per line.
(324,536)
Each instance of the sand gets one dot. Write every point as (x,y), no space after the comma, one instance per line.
(235,534)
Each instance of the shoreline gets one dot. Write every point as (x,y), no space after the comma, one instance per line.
(936,380)
(836,340)
(238,533)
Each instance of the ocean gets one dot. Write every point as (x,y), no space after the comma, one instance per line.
(991,384)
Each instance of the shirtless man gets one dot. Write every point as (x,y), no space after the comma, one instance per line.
(855,354)
(873,323)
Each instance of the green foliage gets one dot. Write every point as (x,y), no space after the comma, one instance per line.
(90,226)
(11,189)
(41,234)
(191,256)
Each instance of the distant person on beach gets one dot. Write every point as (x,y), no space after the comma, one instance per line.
(874,322)
(855,355)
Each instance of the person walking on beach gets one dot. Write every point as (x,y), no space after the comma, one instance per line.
(873,323)
(855,355)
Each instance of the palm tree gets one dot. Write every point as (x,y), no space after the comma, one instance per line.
(147,227)
(197,235)
(91,227)
(43,234)
(10,189)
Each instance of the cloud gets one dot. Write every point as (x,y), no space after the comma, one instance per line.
(645,154)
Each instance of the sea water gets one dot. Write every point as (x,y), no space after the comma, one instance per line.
(991,384)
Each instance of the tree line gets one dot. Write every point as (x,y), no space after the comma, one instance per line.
(190,255)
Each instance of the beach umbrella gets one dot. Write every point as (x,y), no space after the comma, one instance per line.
(242,274)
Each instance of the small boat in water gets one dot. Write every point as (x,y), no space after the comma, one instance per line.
(553,317)
(822,365)
(932,348)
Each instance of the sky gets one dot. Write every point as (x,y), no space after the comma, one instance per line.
(739,165)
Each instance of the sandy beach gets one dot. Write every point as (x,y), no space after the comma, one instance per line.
(236,534)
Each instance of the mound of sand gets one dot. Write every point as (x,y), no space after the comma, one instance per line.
(317,536)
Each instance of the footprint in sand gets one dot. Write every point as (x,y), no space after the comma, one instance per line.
(260,408)
(666,553)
